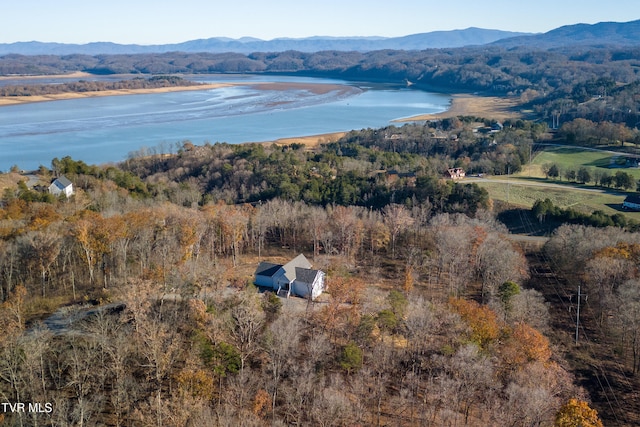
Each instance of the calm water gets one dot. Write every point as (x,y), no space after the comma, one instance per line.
(106,129)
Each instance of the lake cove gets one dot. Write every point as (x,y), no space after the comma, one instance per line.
(253,109)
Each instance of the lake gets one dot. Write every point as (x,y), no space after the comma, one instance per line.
(106,129)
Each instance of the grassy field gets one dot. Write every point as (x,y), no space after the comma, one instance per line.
(520,193)
(575,157)
(523,192)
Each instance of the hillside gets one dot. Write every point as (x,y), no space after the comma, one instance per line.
(600,34)
(417,328)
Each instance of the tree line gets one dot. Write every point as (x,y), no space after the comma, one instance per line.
(487,68)
(95,86)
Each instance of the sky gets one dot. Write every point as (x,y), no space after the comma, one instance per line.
(162,21)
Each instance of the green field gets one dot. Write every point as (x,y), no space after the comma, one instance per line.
(576,157)
(522,190)
(523,195)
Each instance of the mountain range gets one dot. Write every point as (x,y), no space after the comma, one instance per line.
(603,33)
(435,39)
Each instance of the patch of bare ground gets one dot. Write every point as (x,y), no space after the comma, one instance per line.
(310,142)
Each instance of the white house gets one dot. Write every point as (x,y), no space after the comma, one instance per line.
(293,278)
(632,202)
(61,185)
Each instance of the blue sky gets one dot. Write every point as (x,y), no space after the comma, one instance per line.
(162,21)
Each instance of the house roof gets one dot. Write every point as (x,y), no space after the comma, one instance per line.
(62,182)
(633,198)
(298,262)
(267,269)
(306,275)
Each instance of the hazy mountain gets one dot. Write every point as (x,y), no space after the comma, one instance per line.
(435,39)
(602,33)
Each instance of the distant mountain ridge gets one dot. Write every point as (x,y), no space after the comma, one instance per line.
(435,39)
(602,33)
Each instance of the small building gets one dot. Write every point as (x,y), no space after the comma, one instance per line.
(61,185)
(293,278)
(455,173)
(632,202)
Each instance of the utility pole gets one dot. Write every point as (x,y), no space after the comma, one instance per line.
(508,183)
(578,313)
(530,150)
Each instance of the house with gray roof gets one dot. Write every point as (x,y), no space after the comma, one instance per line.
(293,278)
(61,185)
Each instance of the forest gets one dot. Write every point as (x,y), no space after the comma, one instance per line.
(428,319)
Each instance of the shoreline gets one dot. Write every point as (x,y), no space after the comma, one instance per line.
(20,100)
(314,88)
(74,75)
(463,104)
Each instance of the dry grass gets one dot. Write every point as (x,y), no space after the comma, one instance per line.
(492,107)
(10,180)
(523,193)
(310,142)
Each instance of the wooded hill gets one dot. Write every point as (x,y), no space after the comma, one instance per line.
(401,337)
(490,69)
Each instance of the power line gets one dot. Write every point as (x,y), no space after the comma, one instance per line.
(578,313)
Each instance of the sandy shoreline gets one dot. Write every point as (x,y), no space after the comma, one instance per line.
(18,100)
(315,88)
(74,75)
(490,107)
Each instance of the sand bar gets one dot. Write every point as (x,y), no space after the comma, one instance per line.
(75,75)
(17,100)
(314,88)
(490,107)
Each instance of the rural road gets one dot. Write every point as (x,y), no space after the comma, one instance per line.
(523,182)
